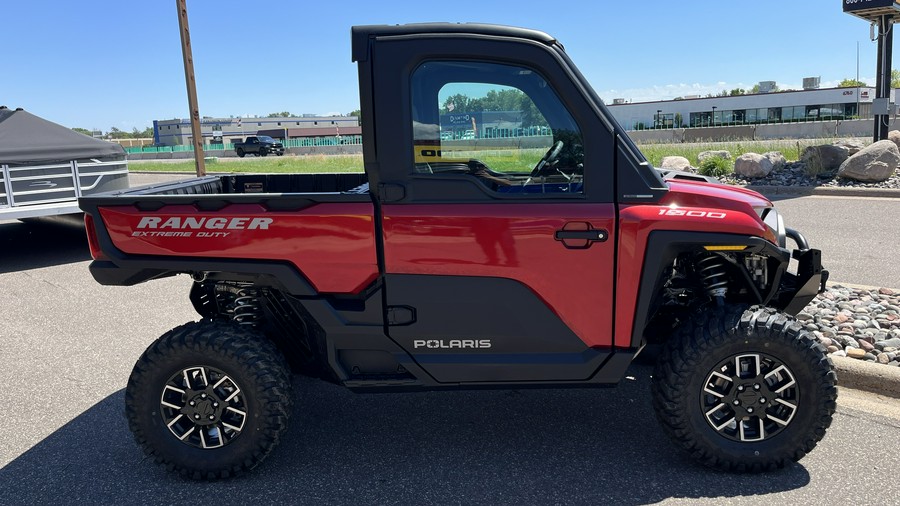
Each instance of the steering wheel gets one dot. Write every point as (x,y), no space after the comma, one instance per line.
(549,157)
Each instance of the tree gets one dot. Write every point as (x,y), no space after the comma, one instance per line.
(502,100)
(115,133)
(84,131)
(282,114)
(737,91)
(853,83)
(895,78)
(679,120)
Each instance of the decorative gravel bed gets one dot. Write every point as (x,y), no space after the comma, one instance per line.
(856,322)
(794,174)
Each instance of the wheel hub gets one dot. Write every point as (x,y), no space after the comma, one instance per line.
(203,408)
(749,397)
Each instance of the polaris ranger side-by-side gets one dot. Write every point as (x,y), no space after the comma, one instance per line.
(540,250)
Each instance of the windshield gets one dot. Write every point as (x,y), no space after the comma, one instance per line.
(265,138)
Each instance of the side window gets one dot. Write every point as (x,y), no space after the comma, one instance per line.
(500,124)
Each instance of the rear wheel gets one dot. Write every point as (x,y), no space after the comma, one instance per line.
(744,391)
(263,152)
(240,152)
(208,400)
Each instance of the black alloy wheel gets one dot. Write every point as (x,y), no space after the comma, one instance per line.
(750,397)
(203,407)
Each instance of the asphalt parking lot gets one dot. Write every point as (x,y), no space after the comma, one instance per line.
(68,344)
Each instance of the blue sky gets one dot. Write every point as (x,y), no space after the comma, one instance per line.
(100,64)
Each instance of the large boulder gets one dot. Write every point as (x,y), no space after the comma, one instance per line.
(824,158)
(725,155)
(874,164)
(894,136)
(753,165)
(675,163)
(854,145)
(776,158)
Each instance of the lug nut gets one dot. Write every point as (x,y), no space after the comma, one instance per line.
(749,410)
(192,403)
(762,400)
(756,386)
(215,404)
(197,416)
(203,396)
(212,417)
(741,388)
(736,402)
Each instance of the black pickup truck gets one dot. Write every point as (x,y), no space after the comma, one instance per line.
(261,145)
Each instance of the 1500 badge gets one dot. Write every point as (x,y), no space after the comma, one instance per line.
(691,214)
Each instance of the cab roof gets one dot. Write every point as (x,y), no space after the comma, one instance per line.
(362,34)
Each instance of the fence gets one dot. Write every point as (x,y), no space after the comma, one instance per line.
(303,142)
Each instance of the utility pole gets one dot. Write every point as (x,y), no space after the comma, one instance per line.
(881,15)
(883,77)
(196,133)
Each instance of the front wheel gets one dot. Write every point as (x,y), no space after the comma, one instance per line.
(208,400)
(240,152)
(744,391)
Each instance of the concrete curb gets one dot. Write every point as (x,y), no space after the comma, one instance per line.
(825,191)
(875,378)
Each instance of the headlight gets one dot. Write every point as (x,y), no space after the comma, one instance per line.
(775,222)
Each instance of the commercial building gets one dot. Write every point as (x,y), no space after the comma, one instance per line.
(774,107)
(313,130)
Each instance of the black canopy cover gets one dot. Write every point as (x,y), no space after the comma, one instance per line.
(28,139)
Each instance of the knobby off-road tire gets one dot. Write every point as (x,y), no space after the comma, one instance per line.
(209,400)
(744,391)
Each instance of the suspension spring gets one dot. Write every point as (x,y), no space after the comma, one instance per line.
(713,275)
(247,307)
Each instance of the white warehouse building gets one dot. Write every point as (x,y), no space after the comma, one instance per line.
(776,107)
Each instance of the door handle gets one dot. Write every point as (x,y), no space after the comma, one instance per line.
(584,235)
(580,239)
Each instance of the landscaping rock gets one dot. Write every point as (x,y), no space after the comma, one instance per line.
(893,342)
(725,155)
(824,158)
(777,159)
(874,164)
(853,145)
(855,353)
(894,136)
(675,163)
(753,165)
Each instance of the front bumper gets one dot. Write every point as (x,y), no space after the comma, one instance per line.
(797,290)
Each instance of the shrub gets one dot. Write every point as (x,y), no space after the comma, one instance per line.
(716,167)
